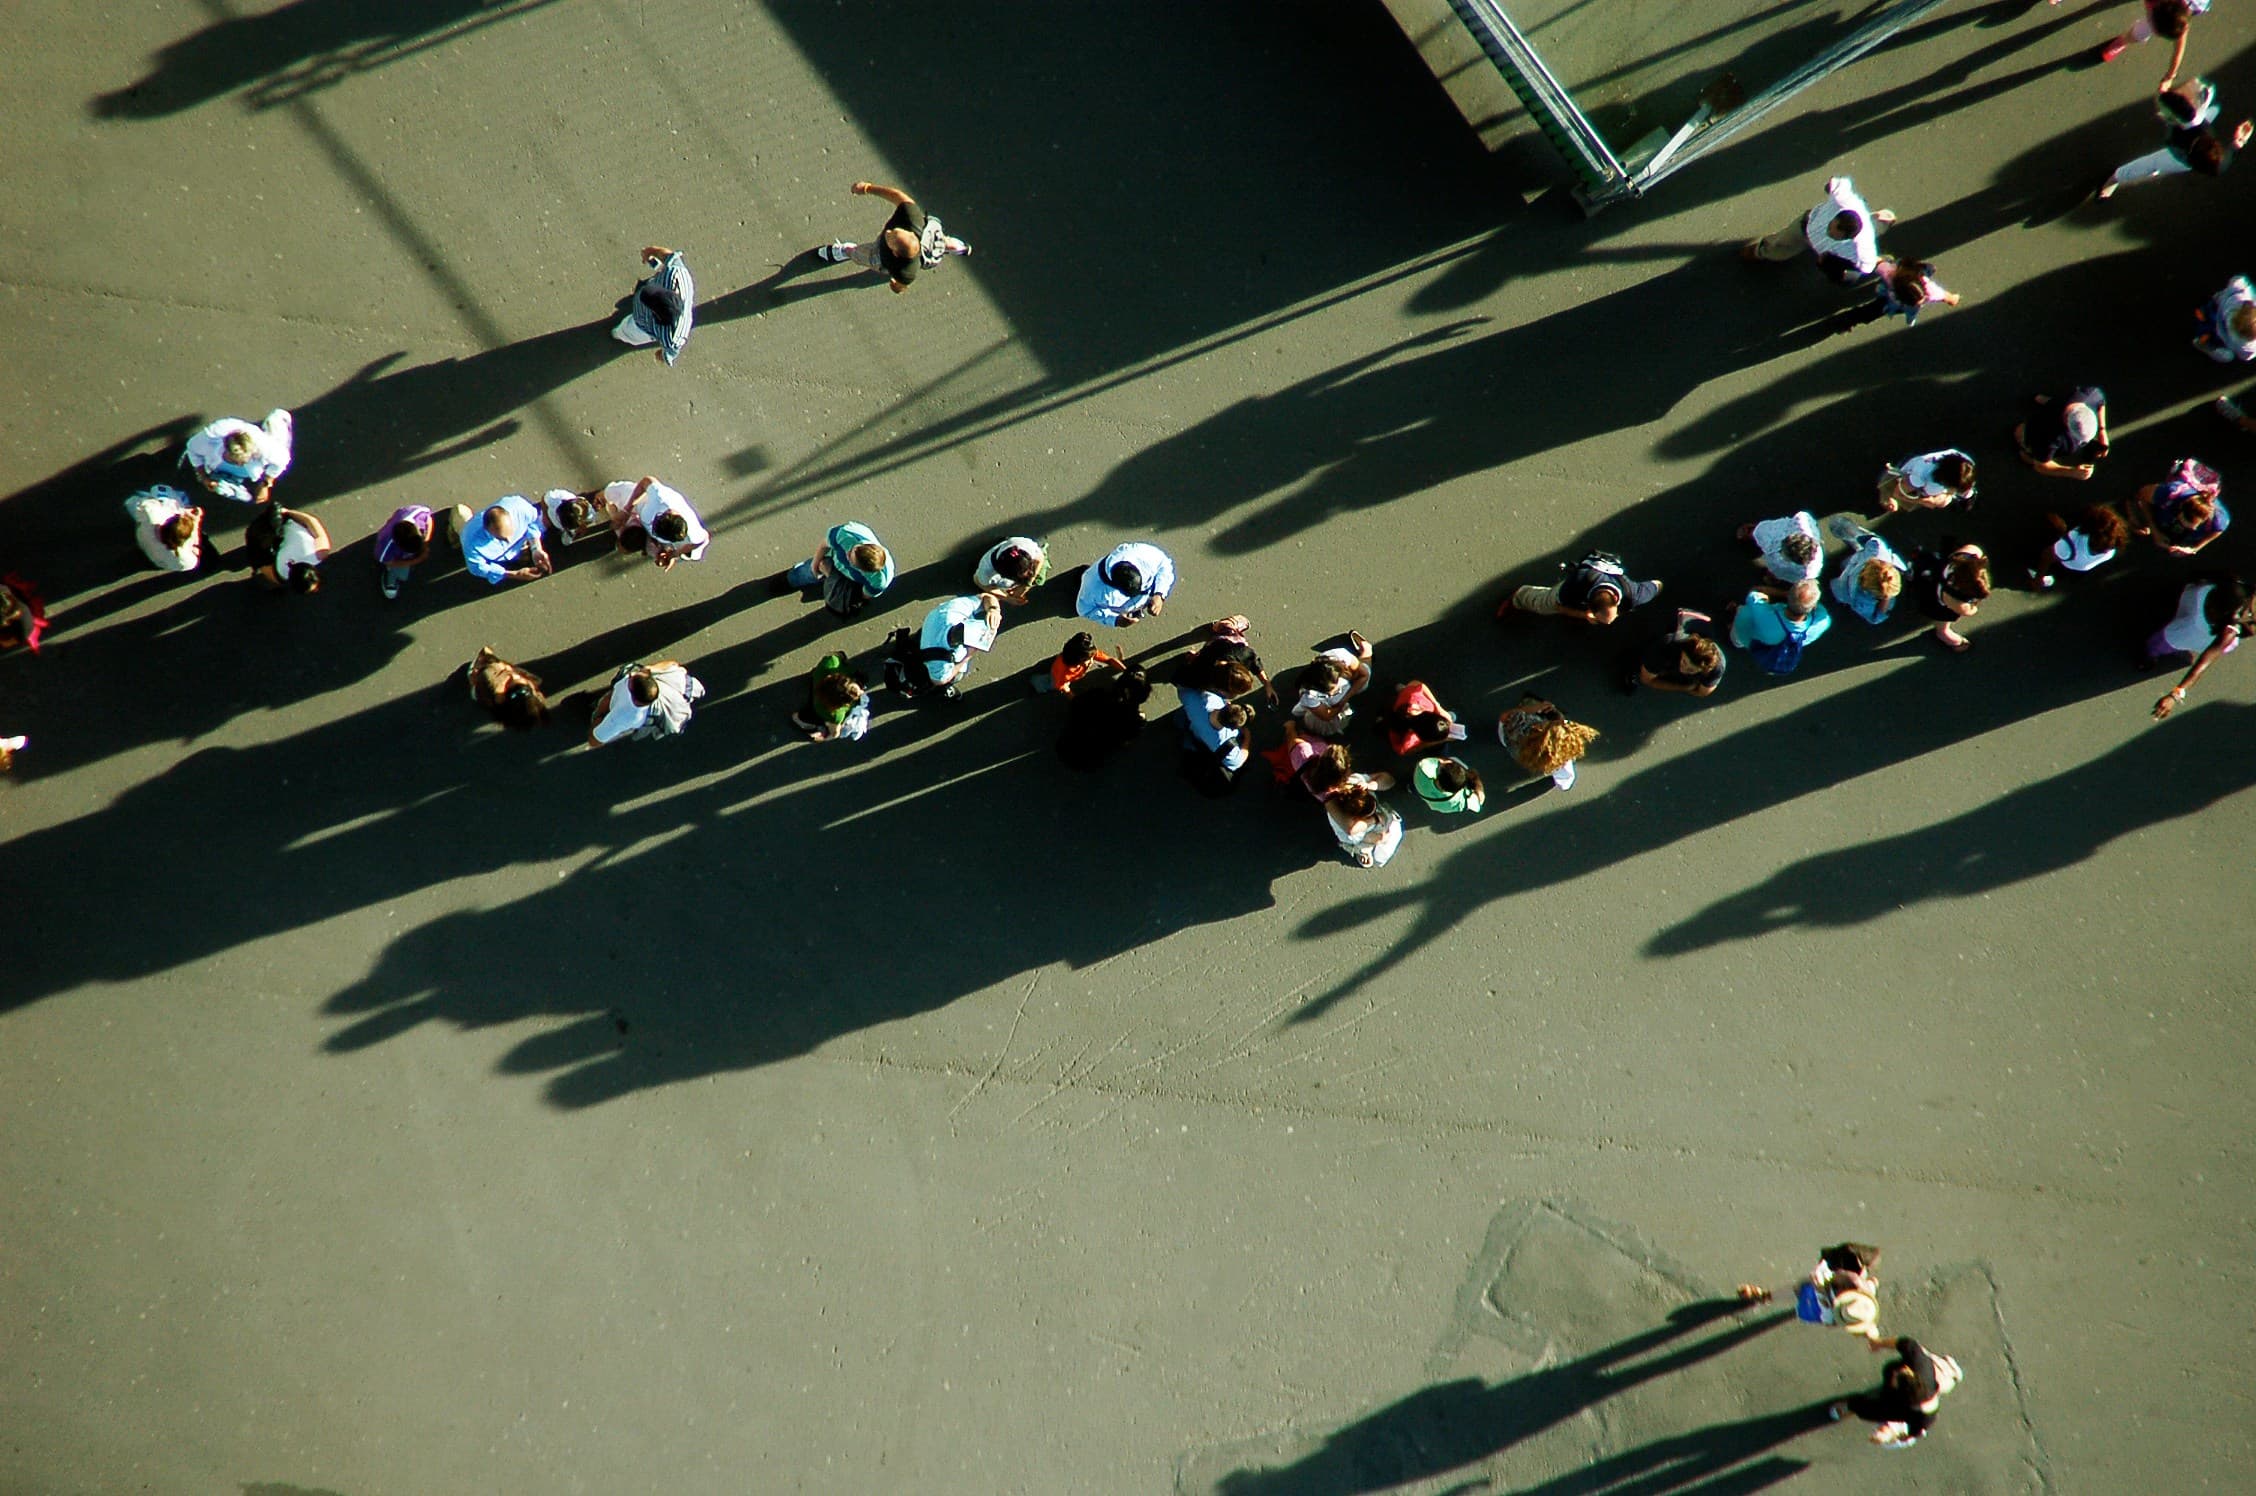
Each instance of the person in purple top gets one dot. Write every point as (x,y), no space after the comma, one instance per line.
(402,545)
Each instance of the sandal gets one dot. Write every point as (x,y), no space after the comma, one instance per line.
(1957,646)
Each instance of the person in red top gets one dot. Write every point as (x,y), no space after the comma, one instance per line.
(1070,664)
(1417,722)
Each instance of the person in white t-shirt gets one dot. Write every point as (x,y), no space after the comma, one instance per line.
(1932,480)
(648,516)
(645,701)
(169,529)
(1841,231)
(287,549)
(2087,545)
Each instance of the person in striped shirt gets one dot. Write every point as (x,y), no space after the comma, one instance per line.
(663,307)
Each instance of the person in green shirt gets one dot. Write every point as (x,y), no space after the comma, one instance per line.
(1448,786)
(837,704)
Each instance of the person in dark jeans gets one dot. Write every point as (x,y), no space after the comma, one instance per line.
(1596,589)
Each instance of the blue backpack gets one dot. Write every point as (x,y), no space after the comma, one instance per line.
(1779,658)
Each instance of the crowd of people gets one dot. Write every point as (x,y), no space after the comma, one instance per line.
(1341,742)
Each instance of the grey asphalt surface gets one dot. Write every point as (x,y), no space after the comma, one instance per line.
(394,1106)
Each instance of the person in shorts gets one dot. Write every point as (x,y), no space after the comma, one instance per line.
(912,240)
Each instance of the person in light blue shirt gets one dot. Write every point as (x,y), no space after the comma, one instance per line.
(1871,580)
(503,543)
(1774,633)
(1213,723)
(1132,582)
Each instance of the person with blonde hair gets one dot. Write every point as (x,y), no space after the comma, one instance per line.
(1872,578)
(236,460)
(1542,740)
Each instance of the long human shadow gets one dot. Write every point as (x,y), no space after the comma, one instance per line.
(1806,151)
(1444,403)
(1451,1425)
(1885,718)
(221,646)
(294,50)
(1723,1459)
(2037,829)
(1117,219)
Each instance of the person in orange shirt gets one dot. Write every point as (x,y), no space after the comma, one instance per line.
(1070,664)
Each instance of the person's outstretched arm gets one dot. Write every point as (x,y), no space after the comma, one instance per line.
(893,195)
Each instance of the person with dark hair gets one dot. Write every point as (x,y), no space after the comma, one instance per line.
(2171,20)
(2219,607)
(1102,717)
(1788,548)
(1775,631)
(850,567)
(1912,1387)
(2183,513)
(1065,670)
(402,545)
(571,515)
(1225,663)
(911,240)
(236,460)
(1842,1292)
(511,694)
(837,705)
(1448,786)
(2065,435)
(287,547)
(668,527)
(169,529)
(1596,589)
(1367,831)
(1932,480)
(23,614)
(664,305)
(1129,583)
(1949,585)
(1329,682)
(2190,141)
(502,542)
(1688,658)
(645,701)
(1215,728)
(1841,231)
(2086,545)
(1899,289)
(1416,721)
(1012,569)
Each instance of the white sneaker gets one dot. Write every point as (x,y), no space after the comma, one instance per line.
(835,252)
(14,745)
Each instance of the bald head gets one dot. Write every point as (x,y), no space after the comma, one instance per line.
(1801,600)
(500,523)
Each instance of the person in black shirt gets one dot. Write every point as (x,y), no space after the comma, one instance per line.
(1687,658)
(2064,436)
(911,240)
(1911,1389)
